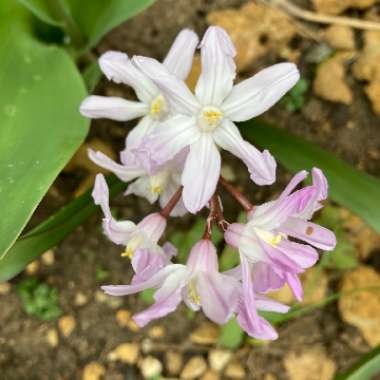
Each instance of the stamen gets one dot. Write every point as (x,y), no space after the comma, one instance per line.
(131,247)
(158,108)
(193,294)
(268,237)
(209,118)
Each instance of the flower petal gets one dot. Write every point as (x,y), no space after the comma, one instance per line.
(124,172)
(168,139)
(257,94)
(267,304)
(141,188)
(97,107)
(302,254)
(180,56)
(153,225)
(201,173)
(265,278)
(295,285)
(311,233)
(174,90)
(117,67)
(218,67)
(118,232)
(261,166)
(203,257)
(136,135)
(219,295)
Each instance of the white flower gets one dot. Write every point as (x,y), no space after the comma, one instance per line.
(206,121)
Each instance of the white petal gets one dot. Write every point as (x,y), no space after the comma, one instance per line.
(180,56)
(142,129)
(171,137)
(175,90)
(141,188)
(117,67)
(96,107)
(201,173)
(124,172)
(257,94)
(261,165)
(218,67)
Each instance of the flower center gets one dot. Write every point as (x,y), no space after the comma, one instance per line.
(158,108)
(209,118)
(158,182)
(272,239)
(132,245)
(193,294)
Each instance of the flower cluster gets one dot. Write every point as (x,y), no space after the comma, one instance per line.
(173,156)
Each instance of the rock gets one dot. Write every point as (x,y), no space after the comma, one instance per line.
(335,7)
(156,332)
(123,316)
(93,371)
(235,370)
(150,367)
(5,288)
(309,364)
(330,80)
(365,239)
(173,362)
(125,352)
(194,368)
(367,67)
(66,325)
(218,359)
(32,268)
(52,337)
(269,376)
(48,257)
(315,283)
(362,308)
(205,334)
(256,30)
(211,374)
(80,299)
(340,37)
(147,346)
(112,302)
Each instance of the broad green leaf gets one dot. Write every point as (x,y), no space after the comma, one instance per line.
(40,127)
(365,369)
(43,10)
(231,335)
(95,18)
(49,233)
(356,190)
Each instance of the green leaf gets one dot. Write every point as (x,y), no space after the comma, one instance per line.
(367,367)
(40,127)
(49,233)
(356,190)
(95,18)
(43,10)
(231,335)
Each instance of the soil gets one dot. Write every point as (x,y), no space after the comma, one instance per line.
(24,349)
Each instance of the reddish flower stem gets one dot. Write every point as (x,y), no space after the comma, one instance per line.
(216,216)
(239,197)
(165,212)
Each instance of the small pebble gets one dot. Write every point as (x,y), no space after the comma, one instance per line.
(125,352)
(52,337)
(194,368)
(211,374)
(32,268)
(150,367)
(235,370)
(218,359)
(93,371)
(173,362)
(123,317)
(80,299)
(66,325)
(5,288)
(156,332)
(48,257)
(112,302)
(206,334)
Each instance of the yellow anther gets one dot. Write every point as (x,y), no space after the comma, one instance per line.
(212,117)
(193,294)
(128,253)
(268,237)
(132,245)
(209,118)
(158,182)
(156,106)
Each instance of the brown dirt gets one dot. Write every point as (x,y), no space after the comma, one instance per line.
(349,131)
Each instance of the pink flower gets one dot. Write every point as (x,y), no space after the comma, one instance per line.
(198,284)
(264,240)
(206,121)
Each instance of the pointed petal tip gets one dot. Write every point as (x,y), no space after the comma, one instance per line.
(109,61)
(216,33)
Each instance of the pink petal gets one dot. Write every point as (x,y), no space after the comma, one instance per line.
(153,225)
(203,257)
(257,94)
(265,278)
(201,173)
(179,59)
(135,137)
